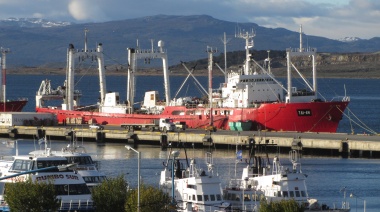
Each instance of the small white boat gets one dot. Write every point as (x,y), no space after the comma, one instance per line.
(77,154)
(274,183)
(190,187)
(70,187)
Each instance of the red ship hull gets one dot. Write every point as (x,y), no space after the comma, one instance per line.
(13,106)
(301,117)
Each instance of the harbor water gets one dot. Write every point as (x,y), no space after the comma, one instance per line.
(326,176)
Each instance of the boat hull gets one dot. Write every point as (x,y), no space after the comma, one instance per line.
(300,117)
(12,106)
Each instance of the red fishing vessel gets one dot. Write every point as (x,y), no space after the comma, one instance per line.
(8,105)
(249,99)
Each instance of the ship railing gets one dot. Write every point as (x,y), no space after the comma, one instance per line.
(239,184)
(76,205)
(247,207)
(341,98)
(150,51)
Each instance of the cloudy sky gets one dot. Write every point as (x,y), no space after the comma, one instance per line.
(328,18)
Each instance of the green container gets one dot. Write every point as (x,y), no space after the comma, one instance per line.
(232,126)
(243,125)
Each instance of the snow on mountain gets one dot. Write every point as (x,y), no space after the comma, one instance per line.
(32,22)
(349,39)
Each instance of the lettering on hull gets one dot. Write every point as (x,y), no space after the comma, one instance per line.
(304,112)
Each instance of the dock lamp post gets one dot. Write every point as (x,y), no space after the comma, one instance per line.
(138,175)
(356,201)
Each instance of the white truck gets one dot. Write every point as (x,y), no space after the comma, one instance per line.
(162,124)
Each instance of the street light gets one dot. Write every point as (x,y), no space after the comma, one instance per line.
(356,201)
(138,175)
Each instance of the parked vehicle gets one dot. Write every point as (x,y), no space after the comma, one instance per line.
(162,124)
(96,126)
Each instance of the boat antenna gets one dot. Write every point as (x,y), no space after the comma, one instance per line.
(225,41)
(301,49)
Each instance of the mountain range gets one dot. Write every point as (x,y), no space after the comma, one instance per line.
(42,43)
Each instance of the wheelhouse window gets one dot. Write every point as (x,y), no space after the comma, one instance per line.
(21,165)
(285,193)
(291,193)
(72,189)
(303,193)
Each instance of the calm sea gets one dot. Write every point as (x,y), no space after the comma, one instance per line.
(326,176)
(364,93)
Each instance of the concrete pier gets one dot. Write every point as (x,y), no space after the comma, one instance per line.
(336,144)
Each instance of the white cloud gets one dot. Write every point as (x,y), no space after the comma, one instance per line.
(87,10)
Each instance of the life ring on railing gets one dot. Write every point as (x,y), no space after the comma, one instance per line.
(195,208)
(329,117)
(208,115)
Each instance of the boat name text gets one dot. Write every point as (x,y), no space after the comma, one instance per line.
(57,176)
(304,112)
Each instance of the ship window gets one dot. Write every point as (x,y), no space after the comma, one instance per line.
(279,194)
(206,197)
(291,193)
(21,165)
(199,197)
(72,189)
(218,197)
(194,197)
(285,193)
(247,197)
(45,164)
(303,193)
(298,194)
(212,197)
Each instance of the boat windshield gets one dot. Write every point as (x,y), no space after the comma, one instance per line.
(48,163)
(80,160)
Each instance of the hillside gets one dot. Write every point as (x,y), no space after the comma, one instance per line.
(329,65)
(186,38)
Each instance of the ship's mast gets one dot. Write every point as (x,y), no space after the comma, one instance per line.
(210,52)
(147,55)
(3,75)
(225,41)
(82,55)
(248,36)
(301,52)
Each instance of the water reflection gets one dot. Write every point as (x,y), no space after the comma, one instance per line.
(325,175)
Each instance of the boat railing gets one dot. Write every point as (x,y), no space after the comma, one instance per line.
(341,98)
(239,184)
(68,205)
